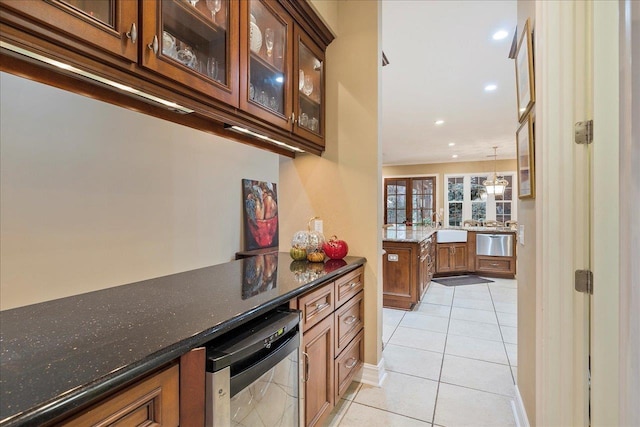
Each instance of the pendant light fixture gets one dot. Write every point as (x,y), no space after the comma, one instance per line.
(496,185)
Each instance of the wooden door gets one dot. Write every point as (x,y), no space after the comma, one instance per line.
(443,258)
(111,25)
(459,257)
(318,349)
(193,45)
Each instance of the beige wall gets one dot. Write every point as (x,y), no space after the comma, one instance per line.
(342,187)
(93,195)
(526,267)
(442,169)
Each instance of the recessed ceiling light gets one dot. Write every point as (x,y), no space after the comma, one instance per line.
(439,122)
(490,88)
(455,156)
(499,35)
(451,144)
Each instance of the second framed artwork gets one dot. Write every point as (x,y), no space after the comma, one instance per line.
(526,158)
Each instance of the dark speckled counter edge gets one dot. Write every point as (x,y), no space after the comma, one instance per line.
(92,392)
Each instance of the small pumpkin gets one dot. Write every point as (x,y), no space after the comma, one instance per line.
(335,249)
(315,256)
(298,253)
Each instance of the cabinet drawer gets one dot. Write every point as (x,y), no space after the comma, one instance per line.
(349,285)
(349,320)
(316,305)
(153,401)
(500,265)
(347,364)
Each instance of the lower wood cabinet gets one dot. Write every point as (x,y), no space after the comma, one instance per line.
(317,344)
(452,257)
(151,402)
(496,265)
(332,342)
(407,270)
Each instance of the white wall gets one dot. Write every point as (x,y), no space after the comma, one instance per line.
(94,195)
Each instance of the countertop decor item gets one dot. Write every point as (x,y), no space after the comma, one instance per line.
(260,214)
(335,249)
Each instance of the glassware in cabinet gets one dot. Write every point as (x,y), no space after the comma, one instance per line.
(194,42)
(266,32)
(309,102)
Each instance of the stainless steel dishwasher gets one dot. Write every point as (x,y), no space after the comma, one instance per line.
(494,244)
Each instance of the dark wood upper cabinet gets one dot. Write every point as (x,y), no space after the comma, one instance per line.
(256,64)
(110,25)
(193,44)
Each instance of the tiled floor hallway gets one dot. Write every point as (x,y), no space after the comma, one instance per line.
(450,362)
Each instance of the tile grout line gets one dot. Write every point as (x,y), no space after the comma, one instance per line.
(444,349)
(502,336)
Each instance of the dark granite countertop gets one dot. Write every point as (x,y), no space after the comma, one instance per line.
(58,355)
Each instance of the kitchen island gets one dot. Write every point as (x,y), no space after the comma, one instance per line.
(412,257)
(65,354)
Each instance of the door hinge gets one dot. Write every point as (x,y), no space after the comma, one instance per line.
(584,281)
(584,132)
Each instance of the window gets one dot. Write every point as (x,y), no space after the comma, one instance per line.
(466,199)
(503,203)
(409,200)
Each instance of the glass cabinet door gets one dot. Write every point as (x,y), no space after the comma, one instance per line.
(309,103)
(194,43)
(111,25)
(265,90)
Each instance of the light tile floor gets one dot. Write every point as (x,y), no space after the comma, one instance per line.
(450,362)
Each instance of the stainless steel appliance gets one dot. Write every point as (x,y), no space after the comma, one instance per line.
(253,374)
(494,244)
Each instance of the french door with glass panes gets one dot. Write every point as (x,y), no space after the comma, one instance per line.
(410,201)
(466,198)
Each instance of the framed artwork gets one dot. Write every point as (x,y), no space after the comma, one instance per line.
(260,200)
(524,73)
(526,159)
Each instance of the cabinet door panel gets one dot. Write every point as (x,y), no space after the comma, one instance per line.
(319,387)
(103,24)
(444,258)
(309,80)
(266,34)
(193,46)
(460,257)
(399,273)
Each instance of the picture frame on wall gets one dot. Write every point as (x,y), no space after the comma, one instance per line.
(524,73)
(526,159)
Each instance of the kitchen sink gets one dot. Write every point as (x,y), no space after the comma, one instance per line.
(451,236)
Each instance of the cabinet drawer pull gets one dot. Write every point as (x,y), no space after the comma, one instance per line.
(353,285)
(351,362)
(132,34)
(320,307)
(350,320)
(154,44)
(305,378)
(494,264)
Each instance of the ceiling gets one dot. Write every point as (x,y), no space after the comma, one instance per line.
(441,56)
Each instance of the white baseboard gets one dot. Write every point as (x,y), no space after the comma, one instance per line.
(372,374)
(519,413)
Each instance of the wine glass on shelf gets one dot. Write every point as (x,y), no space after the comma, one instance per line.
(307,88)
(268,39)
(214,6)
(194,2)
